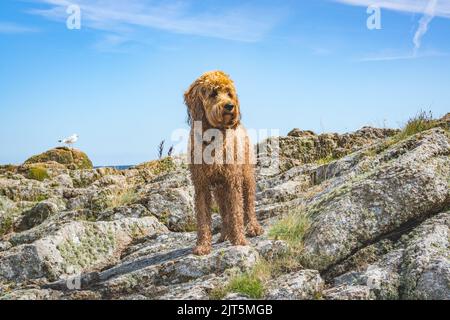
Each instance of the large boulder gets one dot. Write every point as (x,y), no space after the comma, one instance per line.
(409,187)
(74,248)
(419,268)
(71,158)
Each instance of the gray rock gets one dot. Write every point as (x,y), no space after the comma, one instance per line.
(193,267)
(75,247)
(426,261)
(32,294)
(410,187)
(176,273)
(236,297)
(127,211)
(301,285)
(345,292)
(418,269)
(271,249)
(39,213)
(5,245)
(174,207)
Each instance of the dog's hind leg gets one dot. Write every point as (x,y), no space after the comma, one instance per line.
(203,212)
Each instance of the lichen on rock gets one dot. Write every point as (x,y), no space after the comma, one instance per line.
(71,158)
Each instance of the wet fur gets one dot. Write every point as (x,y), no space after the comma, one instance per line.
(232,185)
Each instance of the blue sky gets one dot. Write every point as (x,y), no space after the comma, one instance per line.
(119,81)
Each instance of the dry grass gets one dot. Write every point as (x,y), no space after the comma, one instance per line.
(421,122)
(128,196)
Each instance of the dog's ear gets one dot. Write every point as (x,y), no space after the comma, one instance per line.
(238,122)
(192,99)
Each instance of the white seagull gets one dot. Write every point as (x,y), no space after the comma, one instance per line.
(70,140)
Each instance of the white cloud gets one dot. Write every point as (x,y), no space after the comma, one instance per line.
(429,9)
(392,56)
(242,22)
(429,14)
(13,28)
(441,9)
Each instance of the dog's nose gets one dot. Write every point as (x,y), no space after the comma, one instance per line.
(229,107)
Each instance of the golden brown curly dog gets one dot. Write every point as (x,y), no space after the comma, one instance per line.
(221,161)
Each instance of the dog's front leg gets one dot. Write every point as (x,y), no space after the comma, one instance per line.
(235,215)
(203,207)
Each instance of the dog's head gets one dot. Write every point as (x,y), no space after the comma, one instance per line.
(213,98)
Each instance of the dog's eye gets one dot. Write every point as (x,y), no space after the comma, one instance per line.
(230,94)
(213,94)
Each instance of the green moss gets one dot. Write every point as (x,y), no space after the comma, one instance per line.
(71,158)
(38,173)
(41,197)
(326,160)
(158,167)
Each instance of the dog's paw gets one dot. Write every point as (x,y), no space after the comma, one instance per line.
(240,242)
(254,230)
(202,250)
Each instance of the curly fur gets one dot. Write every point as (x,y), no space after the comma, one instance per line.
(231,182)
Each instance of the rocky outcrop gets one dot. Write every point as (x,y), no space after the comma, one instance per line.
(70,158)
(401,189)
(301,147)
(375,210)
(75,247)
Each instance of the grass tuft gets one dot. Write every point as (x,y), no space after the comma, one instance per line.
(421,122)
(291,228)
(253,282)
(6,225)
(250,283)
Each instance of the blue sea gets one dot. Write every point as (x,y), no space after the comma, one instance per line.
(116,167)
